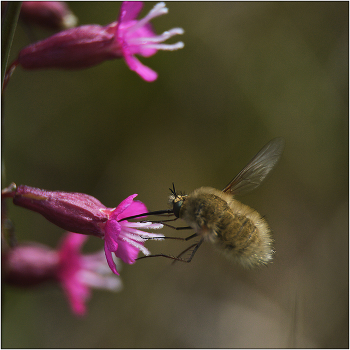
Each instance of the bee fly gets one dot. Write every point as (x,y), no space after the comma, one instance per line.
(217,217)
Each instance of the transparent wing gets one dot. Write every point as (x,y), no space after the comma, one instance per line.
(257,169)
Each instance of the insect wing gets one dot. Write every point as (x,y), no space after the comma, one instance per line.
(257,169)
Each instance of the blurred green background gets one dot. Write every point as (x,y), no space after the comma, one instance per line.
(249,72)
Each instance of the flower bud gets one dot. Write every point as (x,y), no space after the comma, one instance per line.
(29,265)
(76,212)
(50,14)
(54,15)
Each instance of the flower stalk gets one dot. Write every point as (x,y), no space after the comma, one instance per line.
(8,27)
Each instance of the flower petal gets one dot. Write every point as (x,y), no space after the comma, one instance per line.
(77,294)
(143,71)
(112,231)
(135,208)
(127,252)
(110,260)
(121,207)
(129,10)
(73,241)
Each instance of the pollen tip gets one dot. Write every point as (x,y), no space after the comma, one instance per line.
(70,21)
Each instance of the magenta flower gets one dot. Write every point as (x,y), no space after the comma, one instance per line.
(138,37)
(89,45)
(31,264)
(81,213)
(78,273)
(122,237)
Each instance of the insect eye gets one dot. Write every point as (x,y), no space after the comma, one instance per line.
(176,207)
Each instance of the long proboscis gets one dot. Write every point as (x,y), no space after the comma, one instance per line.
(157,212)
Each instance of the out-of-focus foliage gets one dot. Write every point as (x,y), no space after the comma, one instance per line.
(250,71)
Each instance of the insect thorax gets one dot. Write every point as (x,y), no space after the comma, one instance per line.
(204,208)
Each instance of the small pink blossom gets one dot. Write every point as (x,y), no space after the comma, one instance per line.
(82,213)
(123,237)
(138,37)
(89,45)
(79,273)
(30,264)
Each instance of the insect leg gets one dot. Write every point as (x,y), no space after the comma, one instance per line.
(181,238)
(162,255)
(195,246)
(177,238)
(164,222)
(176,228)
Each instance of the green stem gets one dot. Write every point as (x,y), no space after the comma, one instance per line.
(8,27)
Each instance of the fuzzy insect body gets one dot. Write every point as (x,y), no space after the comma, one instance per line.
(235,229)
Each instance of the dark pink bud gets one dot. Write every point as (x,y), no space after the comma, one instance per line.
(50,14)
(76,212)
(74,48)
(29,265)
(54,15)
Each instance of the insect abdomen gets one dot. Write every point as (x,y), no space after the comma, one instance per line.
(247,237)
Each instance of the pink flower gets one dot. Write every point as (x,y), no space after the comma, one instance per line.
(78,273)
(122,237)
(31,264)
(81,213)
(89,45)
(138,37)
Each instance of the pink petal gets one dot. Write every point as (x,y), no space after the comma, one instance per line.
(122,206)
(143,71)
(77,295)
(112,231)
(136,207)
(110,260)
(129,10)
(146,31)
(70,256)
(73,241)
(78,307)
(127,252)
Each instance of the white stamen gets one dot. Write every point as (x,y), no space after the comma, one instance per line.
(145,225)
(158,10)
(96,262)
(157,39)
(69,21)
(154,236)
(113,284)
(143,236)
(167,47)
(136,237)
(143,249)
(97,281)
